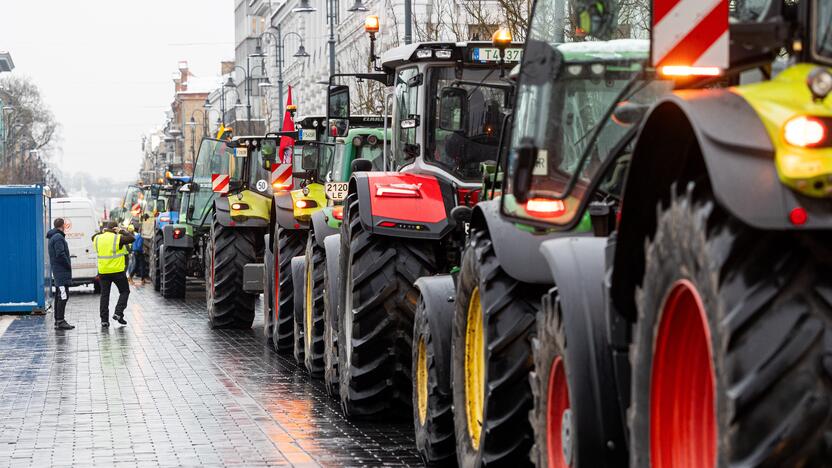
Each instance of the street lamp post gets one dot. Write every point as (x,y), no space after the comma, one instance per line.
(301,53)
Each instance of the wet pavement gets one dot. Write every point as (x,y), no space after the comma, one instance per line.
(167,390)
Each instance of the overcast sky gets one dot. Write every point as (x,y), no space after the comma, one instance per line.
(104,67)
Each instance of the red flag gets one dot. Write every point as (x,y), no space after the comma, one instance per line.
(286,143)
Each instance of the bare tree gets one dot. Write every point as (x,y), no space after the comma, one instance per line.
(29,132)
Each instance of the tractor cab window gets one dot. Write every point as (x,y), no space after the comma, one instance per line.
(374,152)
(467,117)
(339,168)
(406,106)
(823,31)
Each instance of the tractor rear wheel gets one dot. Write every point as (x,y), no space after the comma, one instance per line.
(731,348)
(155,268)
(493,326)
(286,245)
(313,307)
(268,290)
(174,263)
(331,294)
(375,326)
(229,250)
(432,404)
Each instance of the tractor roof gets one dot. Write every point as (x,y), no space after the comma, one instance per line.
(460,51)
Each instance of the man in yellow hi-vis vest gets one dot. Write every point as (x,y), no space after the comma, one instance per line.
(111,247)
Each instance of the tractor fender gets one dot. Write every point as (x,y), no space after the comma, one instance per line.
(321,228)
(285,213)
(688,135)
(184,242)
(516,250)
(438,294)
(332,248)
(423,215)
(578,267)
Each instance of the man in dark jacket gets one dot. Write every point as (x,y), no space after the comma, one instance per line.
(61,271)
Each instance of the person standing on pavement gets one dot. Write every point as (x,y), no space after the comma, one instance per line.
(111,248)
(61,264)
(138,265)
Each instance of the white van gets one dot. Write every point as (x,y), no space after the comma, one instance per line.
(80,223)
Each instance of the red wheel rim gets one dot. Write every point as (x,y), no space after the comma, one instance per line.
(682,407)
(558,418)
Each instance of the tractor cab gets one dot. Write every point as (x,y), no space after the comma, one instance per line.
(449,104)
(583,87)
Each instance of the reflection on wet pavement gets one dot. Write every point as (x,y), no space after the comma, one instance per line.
(168,390)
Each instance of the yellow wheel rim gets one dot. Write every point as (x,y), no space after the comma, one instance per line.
(474,368)
(308,311)
(422,381)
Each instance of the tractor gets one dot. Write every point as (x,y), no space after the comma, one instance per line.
(167,212)
(365,140)
(693,327)
(449,104)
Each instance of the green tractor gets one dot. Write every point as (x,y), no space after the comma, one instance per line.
(365,141)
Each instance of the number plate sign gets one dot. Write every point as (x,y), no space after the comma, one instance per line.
(336,191)
(492,54)
(308,134)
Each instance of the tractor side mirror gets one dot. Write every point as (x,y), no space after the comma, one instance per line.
(338,109)
(523,169)
(309,157)
(453,104)
(629,113)
(161,206)
(361,165)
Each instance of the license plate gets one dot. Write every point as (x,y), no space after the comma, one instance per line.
(308,134)
(336,191)
(492,54)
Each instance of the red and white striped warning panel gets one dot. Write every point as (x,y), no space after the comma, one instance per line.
(690,33)
(282,176)
(219,182)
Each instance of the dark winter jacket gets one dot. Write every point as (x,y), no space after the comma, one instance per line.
(59,258)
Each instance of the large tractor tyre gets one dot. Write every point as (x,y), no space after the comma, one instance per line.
(731,349)
(268,290)
(286,245)
(229,250)
(375,320)
(567,403)
(298,284)
(174,263)
(491,359)
(331,293)
(313,307)
(432,405)
(155,267)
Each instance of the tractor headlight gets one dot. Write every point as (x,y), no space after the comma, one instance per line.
(820,83)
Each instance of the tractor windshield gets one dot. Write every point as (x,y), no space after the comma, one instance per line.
(466,119)
(581,93)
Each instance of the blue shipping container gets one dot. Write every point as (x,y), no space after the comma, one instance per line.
(24,266)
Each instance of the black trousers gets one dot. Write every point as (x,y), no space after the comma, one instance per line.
(61,298)
(107,280)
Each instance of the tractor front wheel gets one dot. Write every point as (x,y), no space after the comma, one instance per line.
(491,360)
(732,343)
(331,294)
(286,245)
(313,307)
(155,268)
(173,264)
(229,250)
(268,290)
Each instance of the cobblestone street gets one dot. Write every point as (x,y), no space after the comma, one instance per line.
(167,390)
